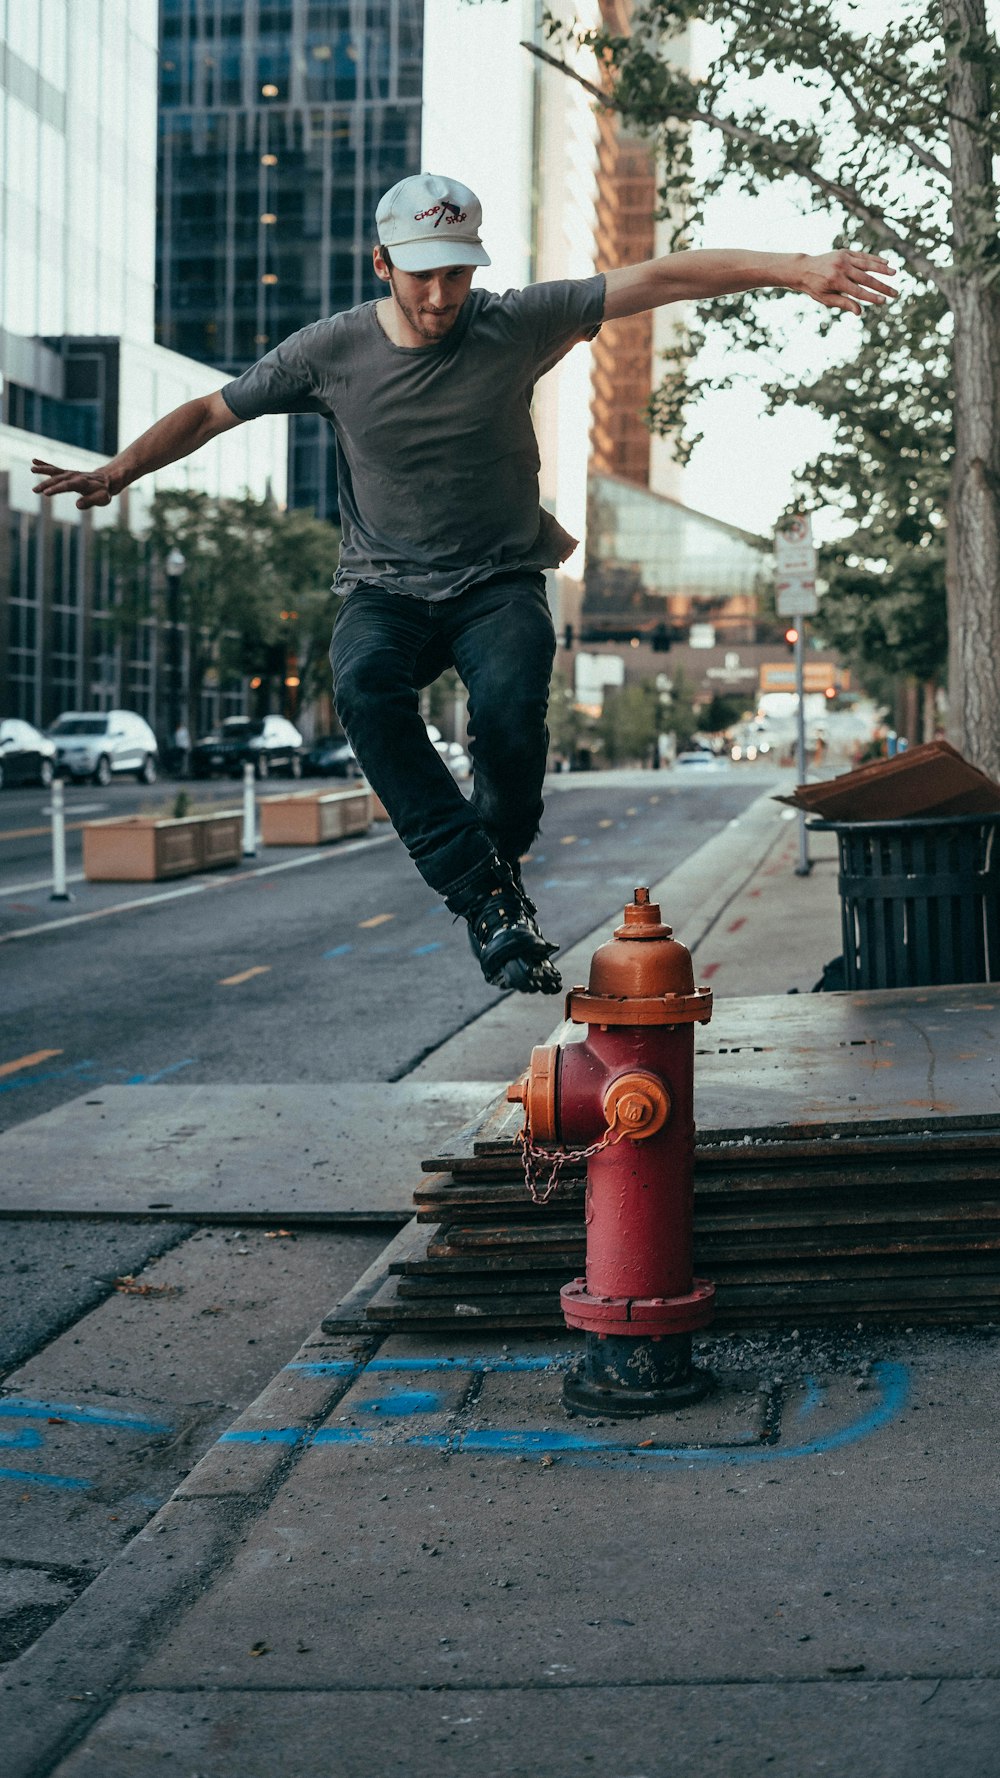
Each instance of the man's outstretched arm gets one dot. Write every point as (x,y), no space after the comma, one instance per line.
(179,433)
(841,280)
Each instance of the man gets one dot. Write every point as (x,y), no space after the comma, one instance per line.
(444,543)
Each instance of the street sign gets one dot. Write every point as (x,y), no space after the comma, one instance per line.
(793,548)
(795,595)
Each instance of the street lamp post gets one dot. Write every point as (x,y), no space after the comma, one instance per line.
(175,565)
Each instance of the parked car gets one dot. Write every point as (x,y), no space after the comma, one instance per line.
(332,756)
(452,752)
(455,758)
(26,757)
(105,744)
(699,764)
(270,743)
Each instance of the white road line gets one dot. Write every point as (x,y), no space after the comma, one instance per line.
(146,901)
(43,883)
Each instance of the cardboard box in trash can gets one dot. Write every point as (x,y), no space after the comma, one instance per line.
(311,818)
(932,779)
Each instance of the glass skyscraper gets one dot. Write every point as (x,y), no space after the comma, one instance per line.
(79,373)
(281,124)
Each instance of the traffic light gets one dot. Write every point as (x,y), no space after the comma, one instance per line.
(568,636)
(791,637)
(661,639)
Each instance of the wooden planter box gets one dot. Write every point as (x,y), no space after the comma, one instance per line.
(312,817)
(145,848)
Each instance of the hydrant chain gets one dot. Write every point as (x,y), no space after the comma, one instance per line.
(556,1158)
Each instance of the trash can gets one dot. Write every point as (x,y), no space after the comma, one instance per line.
(919,900)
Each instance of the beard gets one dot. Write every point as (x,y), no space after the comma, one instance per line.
(430,327)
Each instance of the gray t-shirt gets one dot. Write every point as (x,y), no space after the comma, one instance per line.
(436,453)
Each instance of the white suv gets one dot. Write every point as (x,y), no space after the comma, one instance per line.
(100,744)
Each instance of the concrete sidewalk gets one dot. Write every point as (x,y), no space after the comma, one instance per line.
(404,1559)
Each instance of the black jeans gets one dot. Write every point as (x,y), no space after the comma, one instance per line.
(499,636)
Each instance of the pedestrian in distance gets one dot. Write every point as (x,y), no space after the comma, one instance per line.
(182,749)
(444,544)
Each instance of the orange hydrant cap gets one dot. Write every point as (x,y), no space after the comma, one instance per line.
(643,961)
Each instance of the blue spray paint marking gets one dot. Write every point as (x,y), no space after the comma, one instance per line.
(35,1080)
(43,1481)
(14,1407)
(149,1080)
(339,951)
(422,950)
(327,1367)
(18,1407)
(893,1380)
(23,1441)
(275,1435)
(813,1399)
(405,1401)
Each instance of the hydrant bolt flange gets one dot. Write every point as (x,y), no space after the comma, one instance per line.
(639,1316)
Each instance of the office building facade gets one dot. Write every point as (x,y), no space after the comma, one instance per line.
(80,374)
(281,124)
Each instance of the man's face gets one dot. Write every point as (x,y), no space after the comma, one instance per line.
(430,301)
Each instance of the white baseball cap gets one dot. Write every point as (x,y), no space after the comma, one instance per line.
(427,221)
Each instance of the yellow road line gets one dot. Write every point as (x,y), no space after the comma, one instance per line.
(376,920)
(631,811)
(233,981)
(568,839)
(35,833)
(605,823)
(27,1061)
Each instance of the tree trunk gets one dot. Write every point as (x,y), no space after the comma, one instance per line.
(974,517)
(973,573)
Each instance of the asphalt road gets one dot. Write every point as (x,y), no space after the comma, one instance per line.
(338,964)
(345,967)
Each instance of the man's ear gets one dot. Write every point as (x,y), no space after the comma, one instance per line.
(382,269)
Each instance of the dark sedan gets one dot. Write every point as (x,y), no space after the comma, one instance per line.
(26,757)
(332,756)
(270,743)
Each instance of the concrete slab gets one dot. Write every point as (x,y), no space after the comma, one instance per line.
(325,1154)
(837,1727)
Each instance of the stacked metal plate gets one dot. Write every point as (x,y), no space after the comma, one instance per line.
(848,1164)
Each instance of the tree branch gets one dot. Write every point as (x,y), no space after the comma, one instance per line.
(543,55)
(866,117)
(843,194)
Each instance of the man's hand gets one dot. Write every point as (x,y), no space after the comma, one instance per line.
(844,280)
(93,485)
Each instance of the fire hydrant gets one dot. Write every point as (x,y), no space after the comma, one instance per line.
(625,1095)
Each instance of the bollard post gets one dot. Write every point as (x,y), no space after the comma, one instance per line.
(249,812)
(59,889)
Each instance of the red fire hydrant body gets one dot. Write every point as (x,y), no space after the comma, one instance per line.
(627,1092)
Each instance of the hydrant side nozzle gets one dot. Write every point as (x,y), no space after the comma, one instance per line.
(536,1091)
(637,1105)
